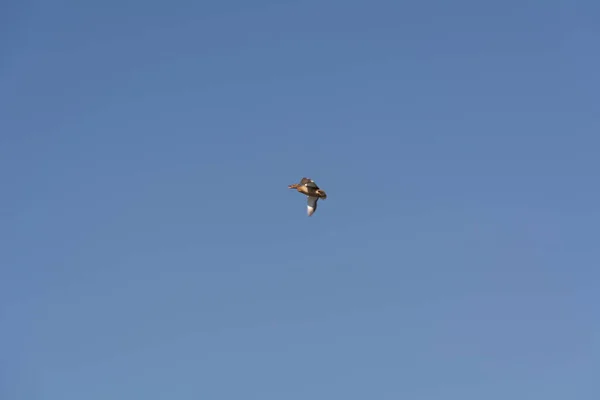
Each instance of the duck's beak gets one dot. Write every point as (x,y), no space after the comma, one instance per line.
(293,186)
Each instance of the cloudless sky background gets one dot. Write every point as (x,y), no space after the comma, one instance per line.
(150,248)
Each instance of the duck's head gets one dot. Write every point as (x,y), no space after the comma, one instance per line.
(293,186)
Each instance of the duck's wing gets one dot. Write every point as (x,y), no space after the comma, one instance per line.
(308,183)
(311,205)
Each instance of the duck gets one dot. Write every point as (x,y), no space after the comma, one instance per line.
(309,188)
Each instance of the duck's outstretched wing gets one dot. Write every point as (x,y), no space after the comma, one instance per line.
(308,183)
(311,205)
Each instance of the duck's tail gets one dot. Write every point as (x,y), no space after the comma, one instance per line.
(321,193)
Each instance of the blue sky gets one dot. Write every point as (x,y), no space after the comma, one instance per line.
(150,247)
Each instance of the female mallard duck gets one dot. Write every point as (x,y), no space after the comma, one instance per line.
(309,188)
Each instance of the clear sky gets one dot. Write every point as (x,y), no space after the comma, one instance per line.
(150,248)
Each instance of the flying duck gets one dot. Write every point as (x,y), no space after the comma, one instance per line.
(309,188)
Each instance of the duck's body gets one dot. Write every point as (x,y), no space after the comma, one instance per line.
(309,188)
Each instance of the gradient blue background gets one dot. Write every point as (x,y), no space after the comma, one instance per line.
(150,248)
